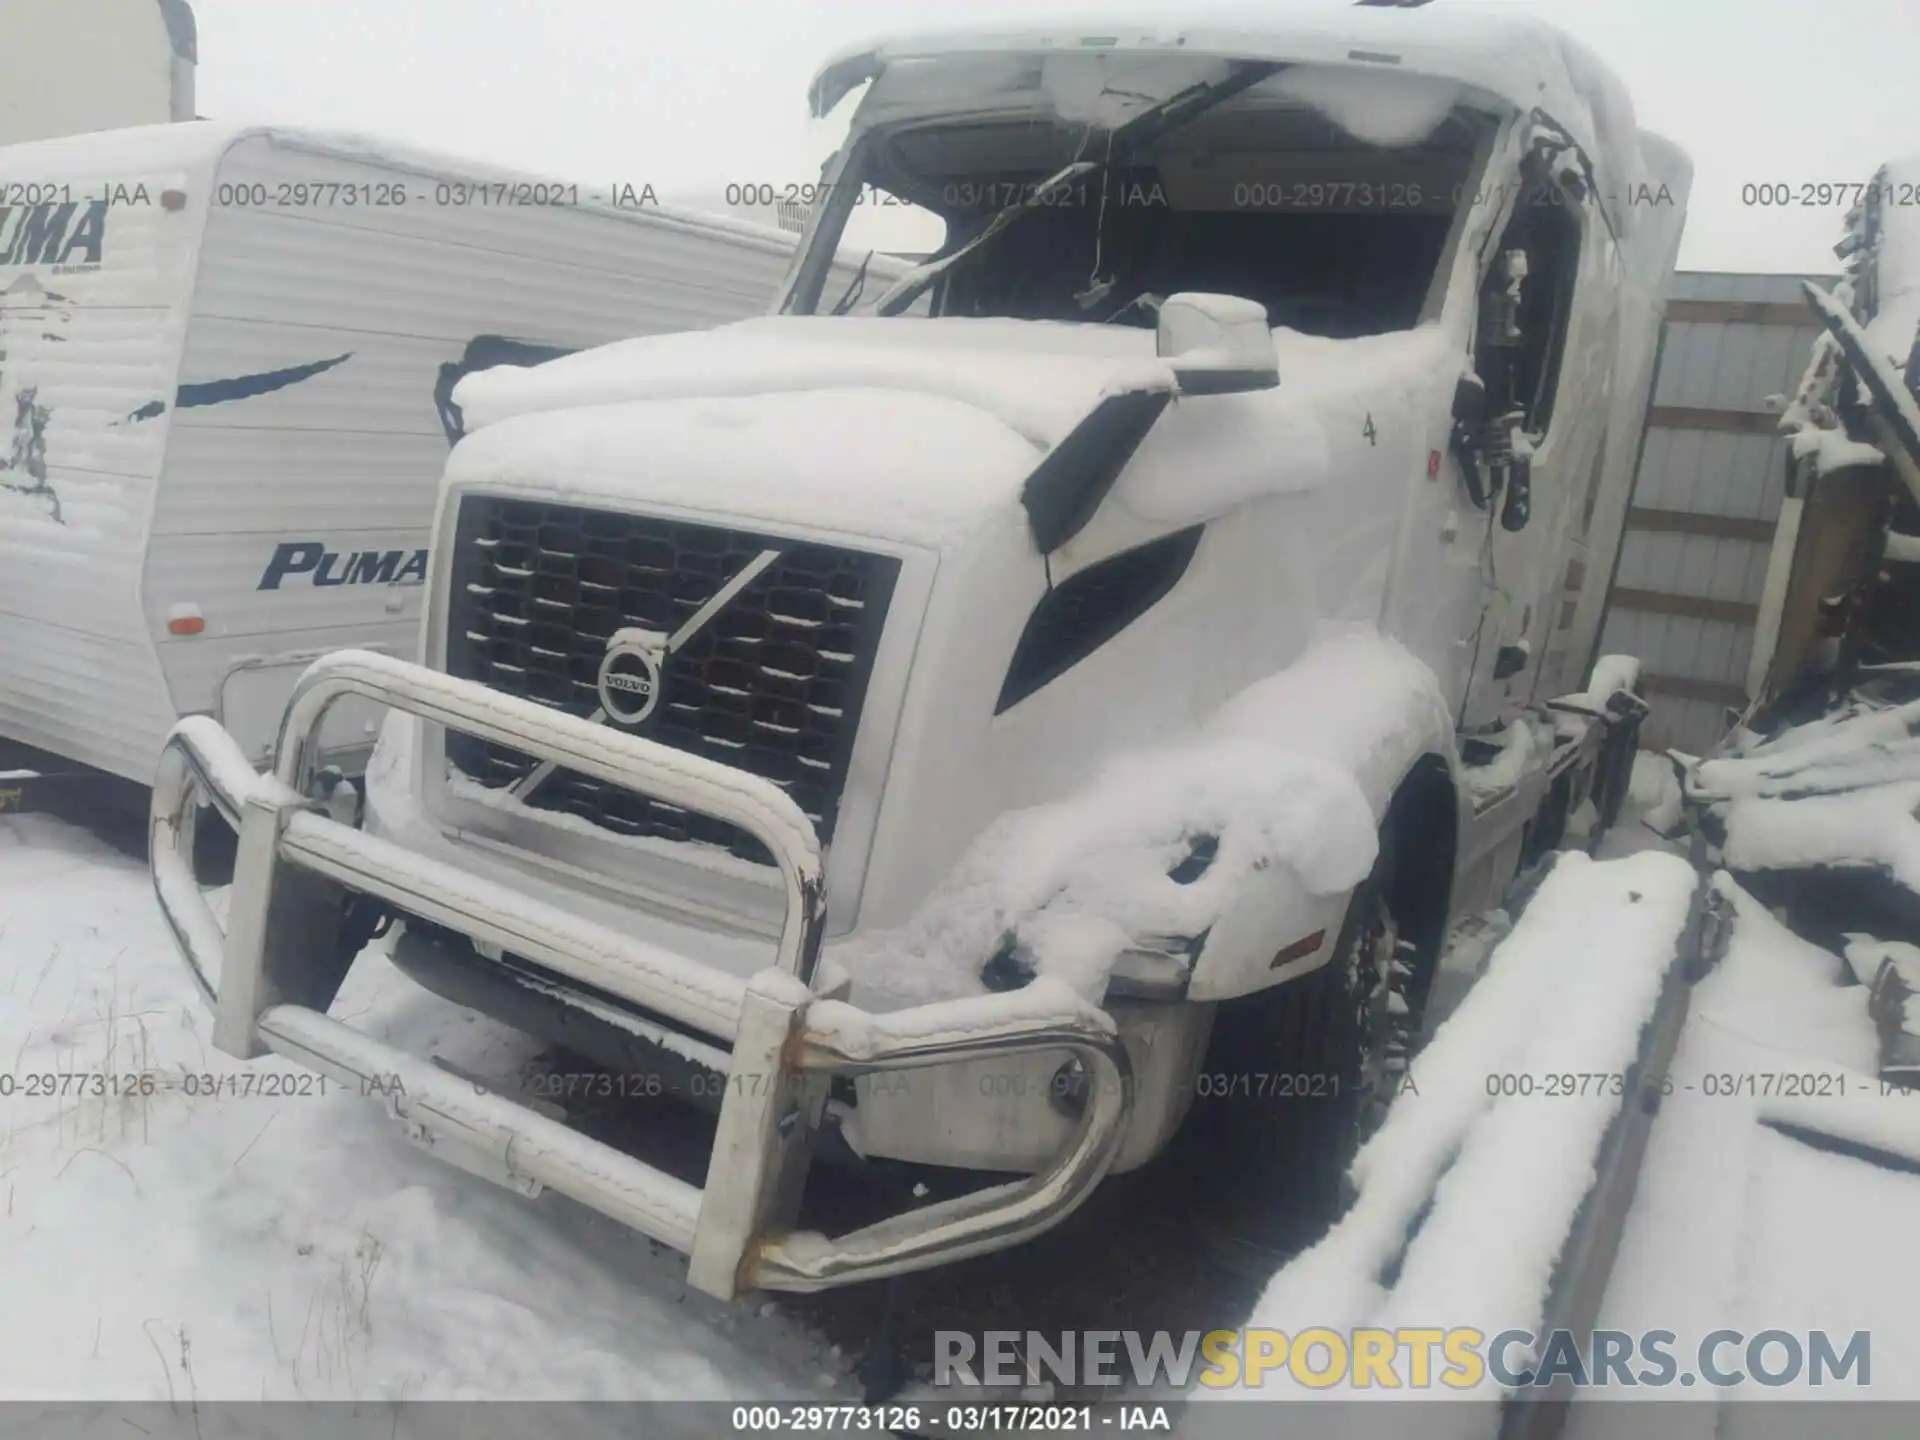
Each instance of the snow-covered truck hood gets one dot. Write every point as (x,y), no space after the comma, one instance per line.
(911,429)
(1037,378)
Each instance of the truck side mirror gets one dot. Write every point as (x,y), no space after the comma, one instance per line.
(1217,344)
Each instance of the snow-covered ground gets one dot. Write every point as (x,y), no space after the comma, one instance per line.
(1492,1178)
(234,1246)
(1737,1226)
(161,1236)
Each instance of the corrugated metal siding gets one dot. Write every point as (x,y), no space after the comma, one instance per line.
(1683,602)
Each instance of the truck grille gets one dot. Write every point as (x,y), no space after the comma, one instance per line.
(773,683)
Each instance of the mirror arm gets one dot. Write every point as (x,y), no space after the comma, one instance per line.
(1206,381)
(1519,507)
(1468,438)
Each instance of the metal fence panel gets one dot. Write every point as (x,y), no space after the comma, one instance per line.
(1712,475)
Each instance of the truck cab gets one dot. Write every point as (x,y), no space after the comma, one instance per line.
(968,714)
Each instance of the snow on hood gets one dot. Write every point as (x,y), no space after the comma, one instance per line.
(908,429)
(1038,378)
(921,469)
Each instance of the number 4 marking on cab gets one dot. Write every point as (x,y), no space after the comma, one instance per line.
(1368,430)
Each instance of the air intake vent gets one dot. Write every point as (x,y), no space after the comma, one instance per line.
(1083,612)
(771,683)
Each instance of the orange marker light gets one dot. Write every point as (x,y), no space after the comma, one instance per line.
(1299,949)
(186,625)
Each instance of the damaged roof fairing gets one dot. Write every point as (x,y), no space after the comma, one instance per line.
(1524,63)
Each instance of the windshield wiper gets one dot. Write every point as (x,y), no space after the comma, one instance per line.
(851,296)
(1129,140)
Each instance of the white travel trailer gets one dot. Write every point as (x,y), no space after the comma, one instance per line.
(1048,734)
(226,362)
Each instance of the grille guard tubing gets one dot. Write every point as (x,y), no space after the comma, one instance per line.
(269,977)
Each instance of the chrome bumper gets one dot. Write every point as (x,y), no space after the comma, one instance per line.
(271,973)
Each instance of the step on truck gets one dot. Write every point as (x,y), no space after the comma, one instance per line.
(978,720)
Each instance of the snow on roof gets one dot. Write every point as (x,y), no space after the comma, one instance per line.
(193,150)
(1523,61)
(112,154)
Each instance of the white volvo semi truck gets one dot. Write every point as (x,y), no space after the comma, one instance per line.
(982,719)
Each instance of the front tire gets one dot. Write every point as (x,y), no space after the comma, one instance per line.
(1296,1077)
(1373,972)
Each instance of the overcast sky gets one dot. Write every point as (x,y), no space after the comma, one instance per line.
(692,95)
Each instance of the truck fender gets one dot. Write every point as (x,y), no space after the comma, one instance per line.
(1368,705)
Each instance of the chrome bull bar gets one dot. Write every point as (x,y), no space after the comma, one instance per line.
(270,973)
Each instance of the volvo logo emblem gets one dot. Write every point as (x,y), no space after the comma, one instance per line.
(629,681)
(630,675)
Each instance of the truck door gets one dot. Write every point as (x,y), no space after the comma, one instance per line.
(1542,353)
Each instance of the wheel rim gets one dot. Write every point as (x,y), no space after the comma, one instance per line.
(1383,1012)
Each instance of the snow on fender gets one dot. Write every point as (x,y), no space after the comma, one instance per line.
(1075,881)
(1289,777)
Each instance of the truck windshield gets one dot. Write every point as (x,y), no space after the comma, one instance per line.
(1264,195)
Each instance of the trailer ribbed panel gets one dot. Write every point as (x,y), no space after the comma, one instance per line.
(90,330)
(254,364)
